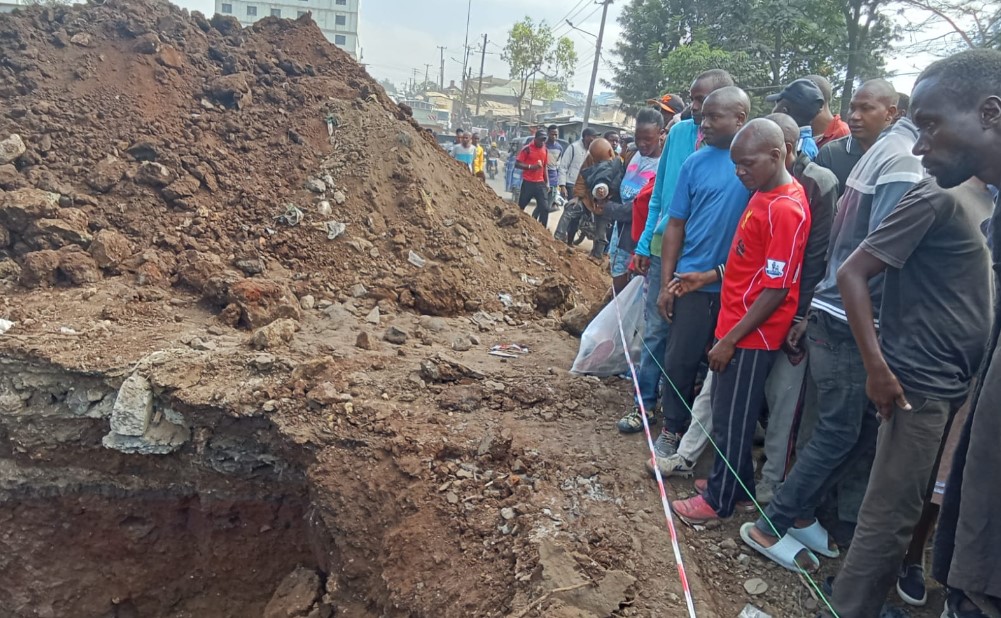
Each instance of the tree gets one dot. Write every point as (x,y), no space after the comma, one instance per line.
(970,24)
(764,43)
(537,61)
(865,24)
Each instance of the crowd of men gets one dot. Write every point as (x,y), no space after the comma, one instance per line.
(835,276)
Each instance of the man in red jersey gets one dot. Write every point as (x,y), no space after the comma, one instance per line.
(757,305)
(532,161)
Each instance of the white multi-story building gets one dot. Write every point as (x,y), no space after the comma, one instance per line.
(6,6)
(338,19)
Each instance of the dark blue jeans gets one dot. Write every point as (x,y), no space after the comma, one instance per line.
(655,335)
(846,424)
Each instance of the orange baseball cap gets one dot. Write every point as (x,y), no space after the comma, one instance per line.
(669,103)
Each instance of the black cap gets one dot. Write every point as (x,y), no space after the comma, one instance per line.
(542,134)
(801,92)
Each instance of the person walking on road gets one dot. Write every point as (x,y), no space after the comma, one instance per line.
(534,184)
(464,152)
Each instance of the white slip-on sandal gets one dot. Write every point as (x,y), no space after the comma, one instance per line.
(782,553)
(816,538)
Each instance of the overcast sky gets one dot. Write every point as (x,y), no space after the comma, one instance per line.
(398,36)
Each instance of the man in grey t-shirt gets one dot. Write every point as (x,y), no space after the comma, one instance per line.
(934,320)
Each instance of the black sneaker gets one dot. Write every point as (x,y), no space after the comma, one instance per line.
(911,585)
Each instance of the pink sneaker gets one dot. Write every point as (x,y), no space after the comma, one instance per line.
(744,506)
(694,511)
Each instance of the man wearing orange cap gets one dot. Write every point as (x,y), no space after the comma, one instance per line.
(670,105)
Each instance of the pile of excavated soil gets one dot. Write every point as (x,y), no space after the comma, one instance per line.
(139,141)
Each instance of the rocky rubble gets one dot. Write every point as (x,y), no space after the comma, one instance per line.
(140,141)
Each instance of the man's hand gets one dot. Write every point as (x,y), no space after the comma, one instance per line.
(721,355)
(885,392)
(792,345)
(563,190)
(665,304)
(641,264)
(683,283)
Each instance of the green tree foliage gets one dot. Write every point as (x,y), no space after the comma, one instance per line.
(763,43)
(542,65)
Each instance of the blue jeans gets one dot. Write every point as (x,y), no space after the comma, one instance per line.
(655,332)
(845,424)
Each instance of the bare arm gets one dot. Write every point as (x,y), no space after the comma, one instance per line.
(882,386)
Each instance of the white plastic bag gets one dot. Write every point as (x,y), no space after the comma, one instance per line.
(601,352)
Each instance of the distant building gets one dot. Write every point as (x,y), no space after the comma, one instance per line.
(338,19)
(6,6)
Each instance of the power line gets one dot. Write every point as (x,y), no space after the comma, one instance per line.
(575,7)
(567,28)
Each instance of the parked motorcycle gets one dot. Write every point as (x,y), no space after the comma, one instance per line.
(576,224)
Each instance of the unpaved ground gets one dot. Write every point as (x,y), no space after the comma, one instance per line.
(197,398)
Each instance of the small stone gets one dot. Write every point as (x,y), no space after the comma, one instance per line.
(274,334)
(133,408)
(433,324)
(203,346)
(11,148)
(307,302)
(461,344)
(364,341)
(323,394)
(743,560)
(374,316)
(728,544)
(395,336)
(358,291)
(82,39)
(755,586)
(507,513)
(263,362)
(451,498)
(339,198)
(316,185)
(270,405)
(109,249)
(518,467)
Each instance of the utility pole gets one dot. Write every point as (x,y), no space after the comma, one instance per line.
(483,58)
(594,69)
(427,67)
(413,82)
(465,47)
(441,76)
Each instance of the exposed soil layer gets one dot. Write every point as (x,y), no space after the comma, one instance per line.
(214,405)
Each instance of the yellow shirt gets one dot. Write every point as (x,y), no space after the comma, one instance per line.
(478,160)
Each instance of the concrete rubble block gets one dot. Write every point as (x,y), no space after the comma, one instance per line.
(133,409)
(11,148)
(19,208)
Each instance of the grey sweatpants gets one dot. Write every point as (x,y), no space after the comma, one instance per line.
(907,454)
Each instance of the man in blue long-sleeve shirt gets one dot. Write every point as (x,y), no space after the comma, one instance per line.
(682,141)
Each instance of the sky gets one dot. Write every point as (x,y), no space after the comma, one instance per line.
(399,36)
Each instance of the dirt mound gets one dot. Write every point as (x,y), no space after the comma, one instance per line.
(144,142)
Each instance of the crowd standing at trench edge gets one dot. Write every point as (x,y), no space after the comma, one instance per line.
(831,283)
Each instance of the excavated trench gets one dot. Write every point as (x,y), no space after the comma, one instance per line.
(96,524)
